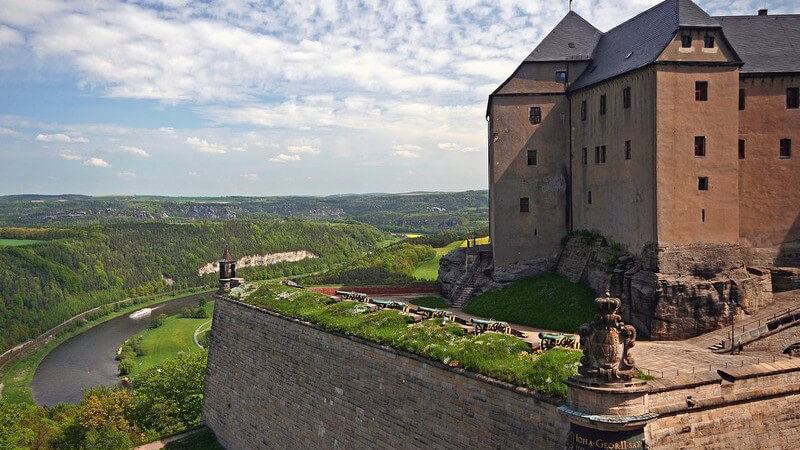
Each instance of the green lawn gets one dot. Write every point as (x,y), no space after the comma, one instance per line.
(550,301)
(496,355)
(429,270)
(430,302)
(165,342)
(17,242)
(17,375)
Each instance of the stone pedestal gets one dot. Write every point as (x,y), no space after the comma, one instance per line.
(606,415)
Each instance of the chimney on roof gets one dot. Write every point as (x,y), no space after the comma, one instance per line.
(762,12)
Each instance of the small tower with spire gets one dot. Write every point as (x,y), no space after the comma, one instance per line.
(227,272)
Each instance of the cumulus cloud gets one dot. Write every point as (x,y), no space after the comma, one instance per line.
(60,138)
(448,146)
(10,37)
(406,150)
(96,162)
(305,149)
(136,151)
(283,158)
(127,175)
(204,146)
(8,132)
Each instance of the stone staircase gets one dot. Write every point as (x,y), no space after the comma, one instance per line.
(464,292)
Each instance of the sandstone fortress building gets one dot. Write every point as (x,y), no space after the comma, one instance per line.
(675,134)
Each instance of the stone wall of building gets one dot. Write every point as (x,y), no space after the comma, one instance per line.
(274,382)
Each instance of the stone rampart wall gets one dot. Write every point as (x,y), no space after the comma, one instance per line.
(274,382)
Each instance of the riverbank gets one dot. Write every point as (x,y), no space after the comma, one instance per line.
(17,375)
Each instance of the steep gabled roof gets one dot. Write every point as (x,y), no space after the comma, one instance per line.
(572,39)
(766,44)
(639,41)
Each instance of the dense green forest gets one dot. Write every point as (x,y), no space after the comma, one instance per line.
(427,212)
(78,268)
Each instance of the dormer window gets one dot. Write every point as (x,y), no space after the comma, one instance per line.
(686,41)
(561,76)
(708,42)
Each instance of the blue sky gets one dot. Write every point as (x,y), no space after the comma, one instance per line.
(180,97)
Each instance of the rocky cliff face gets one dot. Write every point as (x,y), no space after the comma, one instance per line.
(675,293)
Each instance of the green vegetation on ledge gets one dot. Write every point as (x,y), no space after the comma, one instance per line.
(549,301)
(495,355)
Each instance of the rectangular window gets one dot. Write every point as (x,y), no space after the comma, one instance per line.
(627,149)
(597,155)
(589,197)
(531,157)
(786,148)
(602,104)
(741,99)
(701,91)
(585,155)
(561,76)
(702,183)
(583,110)
(793,98)
(536,114)
(699,146)
(626,97)
(602,154)
(686,40)
(741,148)
(708,42)
(523,204)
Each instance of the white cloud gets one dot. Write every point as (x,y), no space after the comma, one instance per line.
(242,148)
(250,176)
(204,146)
(8,132)
(96,162)
(469,149)
(305,149)
(69,156)
(282,158)
(406,150)
(447,146)
(193,174)
(60,138)
(127,175)
(136,151)
(10,37)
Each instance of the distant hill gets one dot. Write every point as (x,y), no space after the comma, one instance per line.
(411,211)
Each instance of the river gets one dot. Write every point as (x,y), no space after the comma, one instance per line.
(87,359)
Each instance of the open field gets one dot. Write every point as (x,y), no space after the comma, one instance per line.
(175,336)
(550,301)
(17,242)
(17,375)
(429,270)
(478,241)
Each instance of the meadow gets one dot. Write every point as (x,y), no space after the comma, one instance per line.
(18,242)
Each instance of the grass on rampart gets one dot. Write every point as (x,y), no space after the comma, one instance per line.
(430,302)
(174,337)
(498,356)
(549,301)
(17,375)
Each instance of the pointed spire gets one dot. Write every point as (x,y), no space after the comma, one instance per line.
(227,256)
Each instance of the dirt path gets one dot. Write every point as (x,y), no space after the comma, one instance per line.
(155,445)
(199,330)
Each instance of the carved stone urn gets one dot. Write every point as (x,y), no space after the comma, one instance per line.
(606,343)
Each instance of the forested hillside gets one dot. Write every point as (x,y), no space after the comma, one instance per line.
(427,212)
(77,268)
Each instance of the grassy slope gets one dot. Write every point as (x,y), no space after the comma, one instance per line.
(17,242)
(165,342)
(429,270)
(17,376)
(499,356)
(549,301)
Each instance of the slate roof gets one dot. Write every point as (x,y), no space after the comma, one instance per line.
(573,39)
(766,44)
(638,41)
